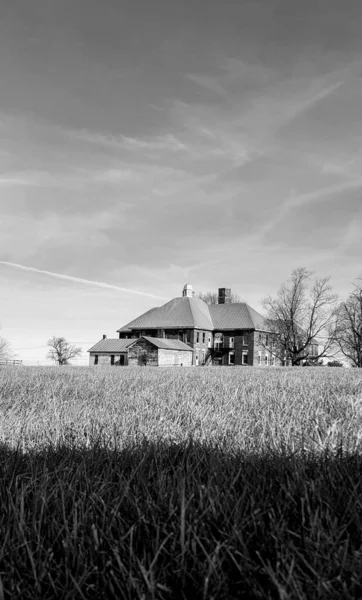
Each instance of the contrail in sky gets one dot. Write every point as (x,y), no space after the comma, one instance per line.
(80,280)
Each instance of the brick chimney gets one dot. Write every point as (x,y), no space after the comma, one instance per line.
(104,336)
(224,296)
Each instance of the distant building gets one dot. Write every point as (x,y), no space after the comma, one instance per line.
(187,331)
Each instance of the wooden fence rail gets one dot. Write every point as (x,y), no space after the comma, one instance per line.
(12,363)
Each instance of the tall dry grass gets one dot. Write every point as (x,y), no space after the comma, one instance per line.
(188,483)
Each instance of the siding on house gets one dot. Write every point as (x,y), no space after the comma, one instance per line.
(174,358)
(143,353)
(104,359)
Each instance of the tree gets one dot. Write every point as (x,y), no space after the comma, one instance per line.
(300,317)
(212,297)
(5,350)
(61,351)
(348,326)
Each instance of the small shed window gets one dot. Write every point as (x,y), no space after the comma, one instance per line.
(96,359)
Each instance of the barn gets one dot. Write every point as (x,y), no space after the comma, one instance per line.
(144,351)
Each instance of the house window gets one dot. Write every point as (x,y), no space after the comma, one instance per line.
(203,337)
(267,340)
(266,360)
(112,359)
(260,338)
(209,341)
(218,341)
(231,342)
(244,359)
(259,358)
(96,359)
(245,340)
(232,358)
(197,337)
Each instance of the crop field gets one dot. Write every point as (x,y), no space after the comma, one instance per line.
(210,483)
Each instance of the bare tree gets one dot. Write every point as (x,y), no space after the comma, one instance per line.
(348,326)
(61,351)
(300,317)
(212,297)
(5,350)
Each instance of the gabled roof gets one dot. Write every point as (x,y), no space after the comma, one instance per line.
(117,345)
(111,345)
(165,344)
(235,316)
(179,312)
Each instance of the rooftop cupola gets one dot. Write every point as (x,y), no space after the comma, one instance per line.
(188,291)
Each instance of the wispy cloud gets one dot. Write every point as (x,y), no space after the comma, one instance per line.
(310,100)
(80,280)
(26,178)
(168,142)
(295,201)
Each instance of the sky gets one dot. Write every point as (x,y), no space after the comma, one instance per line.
(145,145)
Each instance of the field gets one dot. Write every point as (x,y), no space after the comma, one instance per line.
(206,483)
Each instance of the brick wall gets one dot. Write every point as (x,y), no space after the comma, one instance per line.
(260,346)
(199,346)
(244,343)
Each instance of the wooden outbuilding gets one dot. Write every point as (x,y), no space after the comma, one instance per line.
(144,351)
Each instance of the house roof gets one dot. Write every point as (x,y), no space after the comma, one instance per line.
(194,313)
(235,316)
(165,344)
(179,312)
(111,345)
(117,345)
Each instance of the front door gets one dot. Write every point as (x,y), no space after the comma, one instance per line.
(121,360)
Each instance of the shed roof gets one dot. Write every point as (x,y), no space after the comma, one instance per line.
(165,344)
(111,345)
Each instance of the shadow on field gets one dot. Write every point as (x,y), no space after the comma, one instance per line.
(179,521)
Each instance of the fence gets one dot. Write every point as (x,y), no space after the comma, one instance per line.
(11,363)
